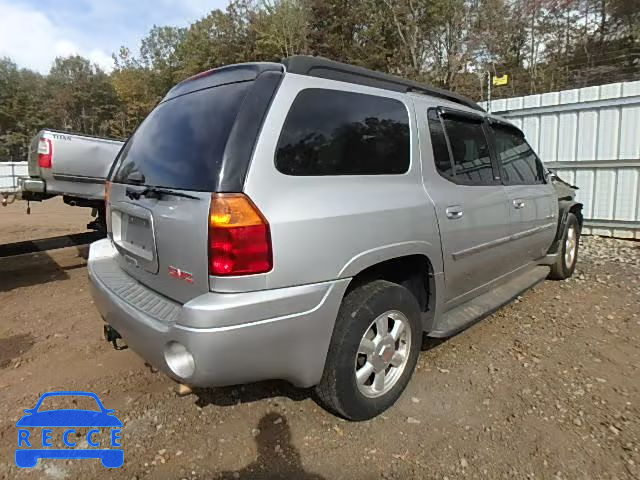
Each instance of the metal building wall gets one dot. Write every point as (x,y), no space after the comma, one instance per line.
(591,136)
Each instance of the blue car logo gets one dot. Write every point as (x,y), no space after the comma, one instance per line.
(29,452)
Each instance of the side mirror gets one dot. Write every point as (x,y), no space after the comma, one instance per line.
(136,177)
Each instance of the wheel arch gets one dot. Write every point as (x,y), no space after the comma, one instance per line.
(414,271)
(564,208)
(576,209)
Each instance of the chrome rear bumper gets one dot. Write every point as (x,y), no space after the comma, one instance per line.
(32,185)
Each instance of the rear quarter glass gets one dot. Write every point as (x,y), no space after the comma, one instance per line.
(181,143)
(334,132)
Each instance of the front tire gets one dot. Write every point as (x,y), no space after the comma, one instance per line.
(373,352)
(568,250)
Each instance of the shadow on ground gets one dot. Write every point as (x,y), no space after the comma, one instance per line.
(277,456)
(13,347)
(28,270)
(430,343)
(253,392)
(37,268)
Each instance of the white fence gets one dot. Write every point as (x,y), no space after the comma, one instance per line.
(591,136)
(9,173)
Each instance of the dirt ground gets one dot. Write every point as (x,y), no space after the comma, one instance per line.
(47,219)
(548,387)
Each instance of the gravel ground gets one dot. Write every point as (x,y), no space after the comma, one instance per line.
(547,387)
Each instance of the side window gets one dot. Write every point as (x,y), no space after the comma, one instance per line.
(439,143)
(519,162)
(470,151)
(466,158)
(332,132)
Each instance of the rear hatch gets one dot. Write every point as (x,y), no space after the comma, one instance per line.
(159,198)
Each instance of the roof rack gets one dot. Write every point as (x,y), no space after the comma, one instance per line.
(325,68)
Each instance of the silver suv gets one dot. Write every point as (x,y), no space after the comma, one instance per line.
(310,221)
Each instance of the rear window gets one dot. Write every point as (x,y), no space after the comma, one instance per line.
(181,143)
(331,132)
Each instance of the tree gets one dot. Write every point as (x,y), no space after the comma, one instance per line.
(543,45)
(282,28)
(159,54)
(136,94)
(412,22)
(22,112)
(82,97)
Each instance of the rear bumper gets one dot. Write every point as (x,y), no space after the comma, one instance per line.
(233,337)
(33,185)
(69,186)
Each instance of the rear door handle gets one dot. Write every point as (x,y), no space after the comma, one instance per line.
(454,212)
(517,203)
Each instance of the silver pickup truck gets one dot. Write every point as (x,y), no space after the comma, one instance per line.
(72,165)
(69,164)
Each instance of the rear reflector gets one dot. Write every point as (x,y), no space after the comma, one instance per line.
(239,236)
(45,153)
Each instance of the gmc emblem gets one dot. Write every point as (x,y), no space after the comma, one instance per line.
(180,274)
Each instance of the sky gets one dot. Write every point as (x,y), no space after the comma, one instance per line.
(34,32)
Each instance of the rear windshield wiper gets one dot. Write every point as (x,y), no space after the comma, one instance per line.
(156,192)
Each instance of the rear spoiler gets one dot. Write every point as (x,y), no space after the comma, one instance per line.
(242,72)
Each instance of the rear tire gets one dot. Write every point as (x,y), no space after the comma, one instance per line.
(373,352)
(568,250)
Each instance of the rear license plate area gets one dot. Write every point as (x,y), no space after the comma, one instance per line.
(138,232)
(134,234)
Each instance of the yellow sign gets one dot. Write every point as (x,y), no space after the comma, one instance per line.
(503,80)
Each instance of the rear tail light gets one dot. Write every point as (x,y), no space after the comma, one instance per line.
(239,236)
(45,153)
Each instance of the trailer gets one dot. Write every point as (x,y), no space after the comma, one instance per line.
(11,174)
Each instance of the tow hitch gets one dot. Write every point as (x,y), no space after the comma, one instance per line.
(112,335)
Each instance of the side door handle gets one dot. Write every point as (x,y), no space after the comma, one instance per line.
(454,212)
(518,204)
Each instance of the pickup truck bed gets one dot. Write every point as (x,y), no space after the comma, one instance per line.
(69,164)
